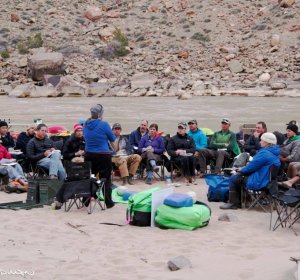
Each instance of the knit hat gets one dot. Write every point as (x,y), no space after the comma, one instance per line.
(225,120)
(182,124)
(97,111)
(3,123)
(77,126)
(269,138)
(293,127)
(116,125)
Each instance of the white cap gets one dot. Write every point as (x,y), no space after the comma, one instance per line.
(269,138)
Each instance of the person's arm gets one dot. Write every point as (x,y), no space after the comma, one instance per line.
(30,152)
(295,152)
(254,165)
(142,144)
(214,145)
(67,154)
(202,141)
(7,155)
(161,147)
(171,148)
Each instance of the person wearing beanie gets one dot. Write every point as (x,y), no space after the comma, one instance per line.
(290,152)
(73,149)
(24,137)
(6,138)
(98,134)
(255,175)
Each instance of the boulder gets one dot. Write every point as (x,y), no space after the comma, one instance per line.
(44,91)
(235,66)
(278,85)
(69,87)
(45,63)
(275,40)
(142,80)
(98,89)
(93,13)
(184,95)
(22,91)
(265,77)
(286,3)
(198,88)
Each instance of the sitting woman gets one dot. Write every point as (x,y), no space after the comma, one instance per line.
(13,171)
(151,148)
(255,175)
(181,148)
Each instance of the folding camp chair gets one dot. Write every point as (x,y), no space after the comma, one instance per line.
(263,196)
(287,206)
(36,171)
(83,194)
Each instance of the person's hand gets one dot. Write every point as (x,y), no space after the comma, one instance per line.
(256,134)
(283,159)
(47,153)
(226,145)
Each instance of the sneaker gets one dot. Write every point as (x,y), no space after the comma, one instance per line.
(228,206)
(148,181)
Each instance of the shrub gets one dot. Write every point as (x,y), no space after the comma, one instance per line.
(4,54)
(200,37)
(123,42)
(35,41)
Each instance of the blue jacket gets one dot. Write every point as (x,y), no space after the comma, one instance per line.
(22,141)
(199,137)
(135,138)
(157,144)
(258,169)
(97,133)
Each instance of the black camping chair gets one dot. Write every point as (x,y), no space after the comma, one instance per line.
(287,206)
(83,194)
(36,171)
(263,196)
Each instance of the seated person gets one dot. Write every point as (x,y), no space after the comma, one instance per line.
(136,135)
(73,149)
(222,145)
(151,147)
(24,137)
(6,138)
(14,172)
(291,146)
(252,144)
(197,134)
(127,165)
(181,149)
(41,150)
(294,175)
(255,175)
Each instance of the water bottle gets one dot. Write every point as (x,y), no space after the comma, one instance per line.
(168,180)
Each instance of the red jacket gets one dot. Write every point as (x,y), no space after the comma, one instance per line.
(4,153)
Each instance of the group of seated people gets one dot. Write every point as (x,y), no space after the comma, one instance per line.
(190,151)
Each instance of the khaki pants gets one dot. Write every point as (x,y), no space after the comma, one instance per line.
(127,165)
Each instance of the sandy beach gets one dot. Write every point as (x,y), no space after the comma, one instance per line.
(43,241)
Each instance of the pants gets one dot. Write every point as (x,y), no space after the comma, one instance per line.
(102,165)
(127,165)
(186,164)
(14,172)
(219,156)
(237,182)
(54,165)
(150,156)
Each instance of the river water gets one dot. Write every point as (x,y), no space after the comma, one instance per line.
(165,111)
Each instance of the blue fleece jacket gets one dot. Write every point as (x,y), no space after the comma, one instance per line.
(157,144)
(199,137)
(97,133)
(258,169)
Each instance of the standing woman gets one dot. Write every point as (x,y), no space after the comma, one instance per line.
(97,134)
(181,149)
(151,148)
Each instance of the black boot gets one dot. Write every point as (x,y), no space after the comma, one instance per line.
(130,180)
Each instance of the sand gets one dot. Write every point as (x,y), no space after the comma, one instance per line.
(45,242)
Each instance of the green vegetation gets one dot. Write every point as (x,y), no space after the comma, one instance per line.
(200,37)
(33,42)
(4,54)
(123,42)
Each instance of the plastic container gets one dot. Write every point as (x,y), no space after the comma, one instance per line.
(168,180)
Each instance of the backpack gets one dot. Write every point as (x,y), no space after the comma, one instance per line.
(218,188)
(139,208)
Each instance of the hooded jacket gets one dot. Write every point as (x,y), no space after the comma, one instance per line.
(199,137)
(157,144)
(258,169)
(72,146)
(135,138)
(182,142)
(97,133)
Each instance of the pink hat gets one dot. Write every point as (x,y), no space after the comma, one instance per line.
(77,126)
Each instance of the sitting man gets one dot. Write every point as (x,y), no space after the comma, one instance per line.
(252,144)
(123,159)
(41,150)
(223,145)
(6,138)
(24,137)
(9,167)
(136,135)
(255,175)
(197,134)
(73,149)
